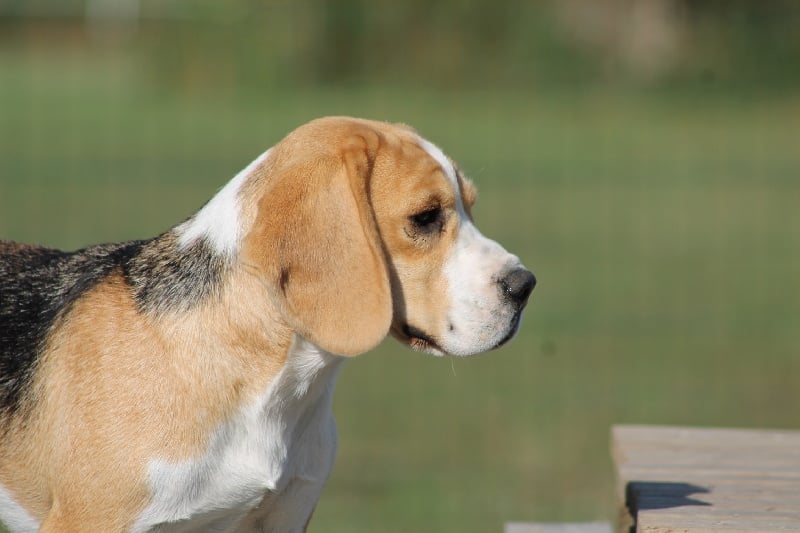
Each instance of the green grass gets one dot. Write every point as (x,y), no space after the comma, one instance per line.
(664,231)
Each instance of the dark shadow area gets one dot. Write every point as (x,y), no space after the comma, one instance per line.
(648,495)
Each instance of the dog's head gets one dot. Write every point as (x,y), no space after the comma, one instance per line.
(360,228)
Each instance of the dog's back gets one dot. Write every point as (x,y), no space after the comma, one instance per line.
(37,285)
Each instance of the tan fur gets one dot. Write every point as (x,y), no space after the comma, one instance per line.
(401,181)
(116,389)
(324,263)
(335,174)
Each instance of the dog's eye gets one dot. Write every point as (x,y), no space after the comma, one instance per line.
(428,221)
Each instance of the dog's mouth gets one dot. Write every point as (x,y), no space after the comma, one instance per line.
(513,327)
(417,339)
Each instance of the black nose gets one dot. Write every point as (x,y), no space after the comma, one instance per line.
(516,285)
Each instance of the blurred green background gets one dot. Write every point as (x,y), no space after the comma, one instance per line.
(641,156)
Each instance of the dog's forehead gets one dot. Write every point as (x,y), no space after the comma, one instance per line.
(444,162)
(448,169)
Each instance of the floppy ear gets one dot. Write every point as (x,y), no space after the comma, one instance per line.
(316,241)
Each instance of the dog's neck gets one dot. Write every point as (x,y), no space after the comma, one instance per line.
(167,276)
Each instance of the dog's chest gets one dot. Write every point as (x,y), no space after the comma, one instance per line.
(270,458)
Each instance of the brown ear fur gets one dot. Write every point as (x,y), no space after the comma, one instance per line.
(316,242)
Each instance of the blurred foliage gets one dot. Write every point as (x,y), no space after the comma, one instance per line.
(452,44)
(481,43)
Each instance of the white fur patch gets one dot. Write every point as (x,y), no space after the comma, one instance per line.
(281,446)
(218,222)
(14,516)
(447,167)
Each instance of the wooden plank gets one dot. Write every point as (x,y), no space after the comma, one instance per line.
(703,480)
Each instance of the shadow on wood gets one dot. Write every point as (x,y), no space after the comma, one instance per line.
(647,495)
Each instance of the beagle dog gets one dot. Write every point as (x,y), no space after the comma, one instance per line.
(184,383)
